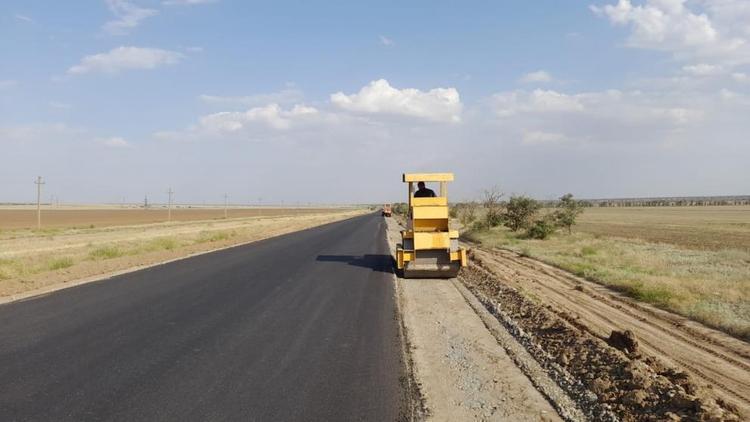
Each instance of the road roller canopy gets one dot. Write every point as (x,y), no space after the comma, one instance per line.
(428,177)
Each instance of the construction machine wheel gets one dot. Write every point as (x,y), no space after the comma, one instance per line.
(416,270)
(432,264)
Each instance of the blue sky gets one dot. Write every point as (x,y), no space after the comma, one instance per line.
(330,102)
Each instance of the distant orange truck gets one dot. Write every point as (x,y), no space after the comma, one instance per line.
(386,210)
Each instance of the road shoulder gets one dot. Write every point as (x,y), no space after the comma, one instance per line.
(461,370)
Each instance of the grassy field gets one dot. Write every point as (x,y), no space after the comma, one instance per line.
(694,261)
(699,228)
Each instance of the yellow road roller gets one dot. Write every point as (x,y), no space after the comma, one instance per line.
(429,248)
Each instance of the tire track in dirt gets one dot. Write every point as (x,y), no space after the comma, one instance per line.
(630,306)
(609,384)
(718,359)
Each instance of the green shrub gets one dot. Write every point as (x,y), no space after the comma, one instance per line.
(568,209)
(582,269)
(6,266)
(215,236)
(105,252)
(478,226)
(541,228)
(493,215)
(468,214)
(588,250)
(520,212)
(400,208)
(60,263)
(651,294)
(167,243)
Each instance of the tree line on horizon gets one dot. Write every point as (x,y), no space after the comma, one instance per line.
(520,213)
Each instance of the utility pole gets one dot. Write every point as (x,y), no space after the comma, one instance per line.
(169,204)
(226,204)
(39,184)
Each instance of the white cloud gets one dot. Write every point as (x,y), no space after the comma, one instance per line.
(115,142)
(379,97)
(128,16)
(538,101)
(627,138)
(537,137)
(703,69)
(194,49)
(741,77)
(661,23)
(286,96)
(610,117)
(726,94)
(536,77)
(7,84)
(272,116)
(24,18)
(124,58)
(730,15)
(385,40)
(187,2)
(670,25)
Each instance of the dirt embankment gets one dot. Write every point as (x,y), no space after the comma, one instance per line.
(655,367)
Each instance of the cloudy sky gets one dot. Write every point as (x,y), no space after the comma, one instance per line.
(331,102)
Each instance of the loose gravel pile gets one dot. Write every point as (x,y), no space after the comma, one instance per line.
(610,381)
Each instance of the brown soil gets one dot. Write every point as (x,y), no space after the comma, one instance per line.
(624,359)
(103,217)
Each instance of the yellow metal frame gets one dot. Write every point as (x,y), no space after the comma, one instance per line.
(428,227)
(428,177)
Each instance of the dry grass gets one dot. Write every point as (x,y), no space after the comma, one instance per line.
(215,236)
(677,266)
(106,252)
(715,228)
(60,263)
(31,258)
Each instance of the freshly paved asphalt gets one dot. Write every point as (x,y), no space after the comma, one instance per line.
(298,327)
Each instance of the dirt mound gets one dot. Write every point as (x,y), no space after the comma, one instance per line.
(711,358)
(623,340)
(610,383)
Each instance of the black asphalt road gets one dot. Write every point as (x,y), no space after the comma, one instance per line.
(298,327)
